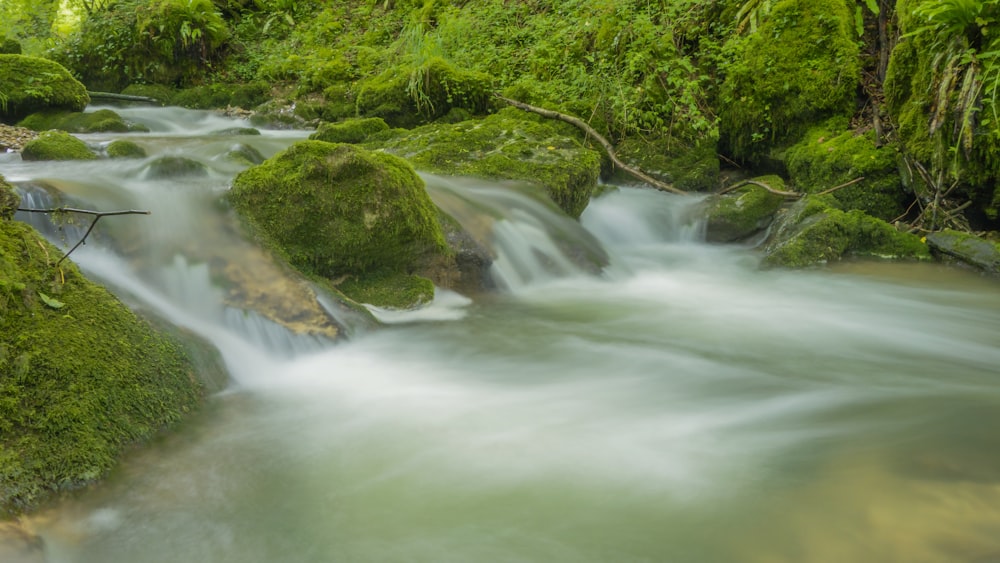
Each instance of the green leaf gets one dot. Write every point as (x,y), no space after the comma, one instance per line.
(53,303)
(859,21)
(872,5)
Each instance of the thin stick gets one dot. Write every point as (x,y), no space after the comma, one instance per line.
(97,217)
(738,185)
(844,185)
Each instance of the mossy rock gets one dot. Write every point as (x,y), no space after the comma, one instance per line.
(56,145)
(100,121)
(406,96)
(83,377)
(800,66)
(744,212)
(244,154)
(350,131)
(392,290)
(32,84)
(122,148)
(693,168)
(812,233)
(336,210)
(829,156)
(970,249)
(236,131)
(175,167)
(504,145)
(9,200)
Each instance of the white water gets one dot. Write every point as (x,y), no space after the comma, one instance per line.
(681,405)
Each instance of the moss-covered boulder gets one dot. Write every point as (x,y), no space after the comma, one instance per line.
(970,249)
(506,145)
(81,376)
(744,212)
(174,167)
(100,121)
(32,84)
(829,156)
(9,200)
(812,233)
(342,213)
(686,166)
(405,95)
(350,131)
(799,67)
(244,154)
(122,148)
(57,145)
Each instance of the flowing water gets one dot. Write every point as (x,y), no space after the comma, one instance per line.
(677,405)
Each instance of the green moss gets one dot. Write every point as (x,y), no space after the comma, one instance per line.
(813,234)
(122,148)
(245,154)
(175,167)
(10,47)
(56,145)
(828,156)
(32,84)
(350,131)
(335,209)
(81,377)
(236,131)
(743,212)
(9,200)
(505,145)
(394,290)
(100,121)
(799,67)
(688,167)
(405,96)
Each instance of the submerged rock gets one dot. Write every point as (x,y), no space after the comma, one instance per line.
(970,249)
(244,154)
(122,148)
(57,145)
(175,167)
(811,233)
(343,213)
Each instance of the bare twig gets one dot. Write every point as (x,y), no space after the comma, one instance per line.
(738,185)
(591,132)
(844,185)
(97,217)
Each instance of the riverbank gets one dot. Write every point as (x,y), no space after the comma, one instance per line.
(13,138)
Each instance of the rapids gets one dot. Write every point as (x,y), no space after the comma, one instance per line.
(644,397)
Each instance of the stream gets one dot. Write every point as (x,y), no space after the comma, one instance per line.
(679,405)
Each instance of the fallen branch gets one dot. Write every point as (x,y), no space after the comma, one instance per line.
(122,97)
(844,185)
(608,147)
(738,185)
(97,217)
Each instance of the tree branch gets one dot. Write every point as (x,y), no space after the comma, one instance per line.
(738,185)
(608,147)
(97,217)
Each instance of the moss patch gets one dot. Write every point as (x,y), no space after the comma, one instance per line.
(100,121)
(57,145)
(32,84)
(175,167)
(743,212)
(350,131)
(81,377)
(504,145)
(811,233)
(122,148)
(394,290)
(337,210)
(829,156)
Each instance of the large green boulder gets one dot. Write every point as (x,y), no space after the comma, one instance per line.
(813,233)
(57,145)
(800,66)
(509,145)
(82,378)
(341,212)
(32,84)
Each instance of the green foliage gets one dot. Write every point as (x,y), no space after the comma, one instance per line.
(336,209)
(172,42)
(32,84)
(10,47)
(801,65)
(56,145)
(81,377)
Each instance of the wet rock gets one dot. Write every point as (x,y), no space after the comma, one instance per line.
(970,249)
(742,213)
(122,148)
(244,154)
(233,131)
(350,131)
(175,167)
(100,121)
(56,145)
